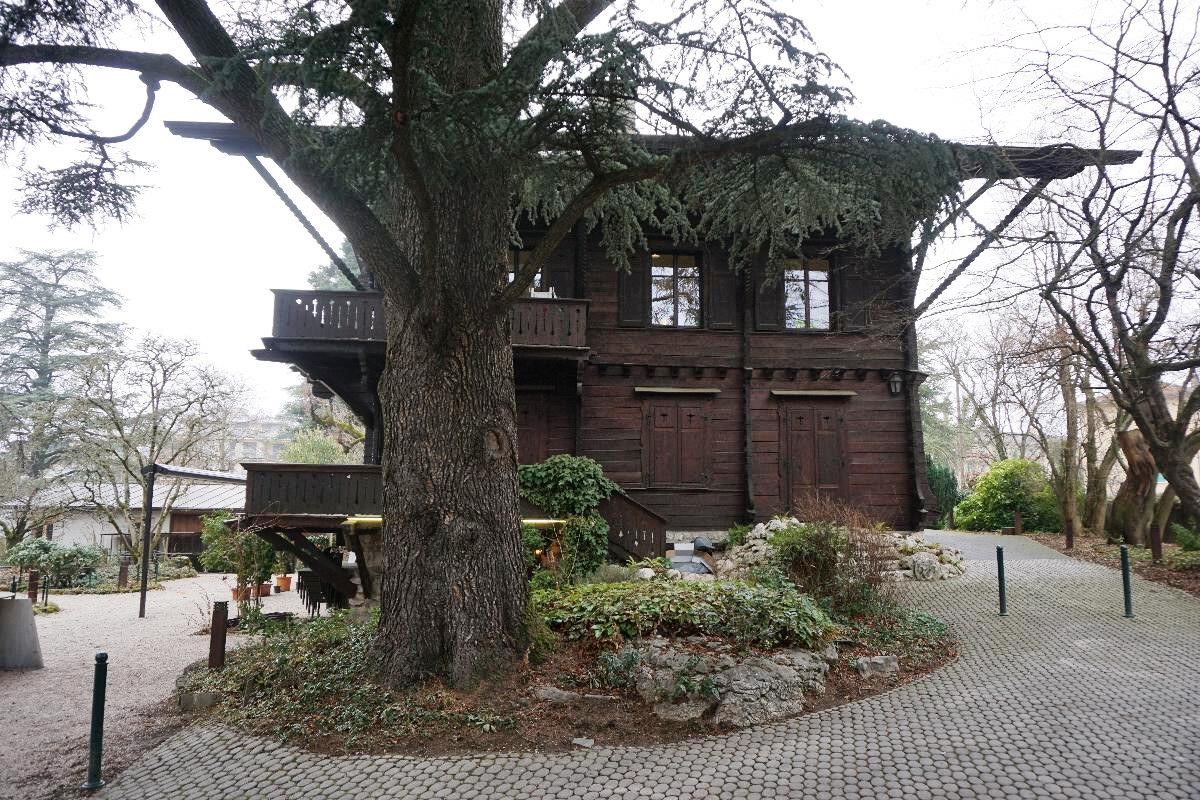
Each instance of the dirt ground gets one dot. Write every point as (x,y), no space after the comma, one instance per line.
(43,753)
(1097,551)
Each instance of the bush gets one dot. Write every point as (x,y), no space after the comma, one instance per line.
(1188,540)
(242,552)
(62,566)
(584,545)
(836,563)
(944,484)
(743,612)
(565,486)
(1009,486)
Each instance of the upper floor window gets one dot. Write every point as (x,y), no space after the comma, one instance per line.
(806,294)
(674,290)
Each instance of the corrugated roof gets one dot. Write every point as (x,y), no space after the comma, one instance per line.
(191,497)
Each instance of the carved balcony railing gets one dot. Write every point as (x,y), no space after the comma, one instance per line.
(307,490)
(313,314)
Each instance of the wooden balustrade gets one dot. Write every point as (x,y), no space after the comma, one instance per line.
(634,531)
(299,489)
(313,314)
(346,489)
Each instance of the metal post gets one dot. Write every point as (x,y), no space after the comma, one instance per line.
(96,741)
(1018,526)
(1125,581)
(216,634)
(156,559)
(147,511)
(1000,576)
(31,585)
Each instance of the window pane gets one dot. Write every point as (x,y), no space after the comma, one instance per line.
(818,288)
(674,290)
(689,298)
(662,299)
(793,299)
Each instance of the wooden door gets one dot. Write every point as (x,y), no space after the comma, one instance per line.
(184,534)
(532,427)
(813,452)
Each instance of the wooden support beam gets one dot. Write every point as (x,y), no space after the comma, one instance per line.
(319,563)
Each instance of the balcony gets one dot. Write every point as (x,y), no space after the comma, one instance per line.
(315,497)
(535,322)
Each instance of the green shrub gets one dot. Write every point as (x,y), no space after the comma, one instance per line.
(61,565)
(584,545)
(542,579)
(532,541)
(1188,540)
(737,535)
(944,484)
(743,612)
(565,486)
(242,552)
(838,564)
(1009,486)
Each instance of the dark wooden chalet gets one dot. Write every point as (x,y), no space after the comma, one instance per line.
(712,397)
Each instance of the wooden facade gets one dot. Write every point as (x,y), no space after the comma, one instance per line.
(732,417)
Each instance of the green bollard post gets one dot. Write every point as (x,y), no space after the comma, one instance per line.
(1000,577)
(1125,581)
(96,741)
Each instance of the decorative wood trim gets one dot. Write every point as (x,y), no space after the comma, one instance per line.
(672,390)
(813,393)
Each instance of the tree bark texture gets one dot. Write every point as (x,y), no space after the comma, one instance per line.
(1129,516)
(453,590)
(1068,478)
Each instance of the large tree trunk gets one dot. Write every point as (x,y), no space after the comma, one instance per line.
(454,588)
(1129,517)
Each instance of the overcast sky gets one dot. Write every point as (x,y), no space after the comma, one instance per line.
(211,240)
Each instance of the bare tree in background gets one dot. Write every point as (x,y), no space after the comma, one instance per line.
(151,401)
(1117,246)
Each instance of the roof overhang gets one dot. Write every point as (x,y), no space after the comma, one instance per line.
(975,160)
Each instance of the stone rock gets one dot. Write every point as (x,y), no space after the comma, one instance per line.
(198,701)
(552,694)
(687,711)
(887,666)
(644,574)
(674,574)
(926,567)
(700,679)
(583,742)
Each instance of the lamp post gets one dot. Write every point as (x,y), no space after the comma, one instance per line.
(148,472)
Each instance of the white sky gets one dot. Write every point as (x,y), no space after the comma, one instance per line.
(211,239)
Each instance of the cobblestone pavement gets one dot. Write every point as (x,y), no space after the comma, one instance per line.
(46,711)
(1065,698)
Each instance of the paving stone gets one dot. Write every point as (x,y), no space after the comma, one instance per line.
(1062,698)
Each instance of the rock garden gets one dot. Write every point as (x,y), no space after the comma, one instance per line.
(786,617)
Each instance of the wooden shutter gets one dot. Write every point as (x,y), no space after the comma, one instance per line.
(693,444)
(720,285)
(633,292)
(850,304)
(664,443)
(829,456)
(768,300)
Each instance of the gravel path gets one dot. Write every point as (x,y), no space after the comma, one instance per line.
(1065,698)
(44,750)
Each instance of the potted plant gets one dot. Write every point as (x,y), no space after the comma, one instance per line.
(283,566)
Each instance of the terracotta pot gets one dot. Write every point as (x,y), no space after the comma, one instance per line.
(240,595)
(264,590)
(284,582)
